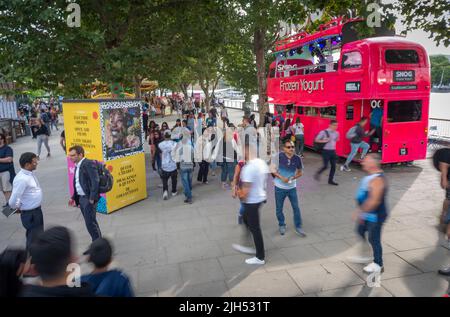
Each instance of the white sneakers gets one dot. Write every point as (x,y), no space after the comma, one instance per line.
(359,259)
(165,195)
(242,249)
(345,168)
(254,261)
(174,194)
(373,268)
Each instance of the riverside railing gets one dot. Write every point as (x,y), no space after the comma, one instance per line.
(438,132)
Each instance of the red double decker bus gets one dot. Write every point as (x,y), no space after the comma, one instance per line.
(334,74)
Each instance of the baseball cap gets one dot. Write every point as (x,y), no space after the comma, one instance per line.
(100,252)
(167,134)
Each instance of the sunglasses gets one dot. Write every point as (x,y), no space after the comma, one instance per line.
(289,147)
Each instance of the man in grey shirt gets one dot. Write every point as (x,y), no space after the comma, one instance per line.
(329,136)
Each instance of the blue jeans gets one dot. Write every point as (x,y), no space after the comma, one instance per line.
(280,196)
(227,170)
(355,146)
(374,230)
(213,165)
(186,180)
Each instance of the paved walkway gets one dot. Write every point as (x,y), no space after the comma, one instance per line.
(172,249)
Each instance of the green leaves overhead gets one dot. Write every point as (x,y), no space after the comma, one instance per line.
(176,42)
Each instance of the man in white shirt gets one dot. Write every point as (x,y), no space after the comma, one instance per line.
(168,165)
(27,197)
(253,195)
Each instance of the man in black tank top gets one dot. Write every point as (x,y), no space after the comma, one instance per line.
(441,161)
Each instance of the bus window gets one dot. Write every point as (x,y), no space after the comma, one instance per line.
(352,60)
(404,111)
(280,109)
(328,112)
(350,113)
(299,110)
(289,108)
(311,111)
(401,57)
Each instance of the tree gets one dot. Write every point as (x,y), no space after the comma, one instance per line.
(431,16)
(118,41)
(440,70)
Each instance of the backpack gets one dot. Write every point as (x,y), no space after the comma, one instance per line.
(106,180)
(45,118)
(351,133)
(319,146)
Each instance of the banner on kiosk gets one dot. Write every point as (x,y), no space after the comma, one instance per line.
(110,132)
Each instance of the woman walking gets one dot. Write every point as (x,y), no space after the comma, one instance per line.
(42,135)
(299,132)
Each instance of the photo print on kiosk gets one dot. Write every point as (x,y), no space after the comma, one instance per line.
(121,123)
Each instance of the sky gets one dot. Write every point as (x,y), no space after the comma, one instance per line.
(421,37)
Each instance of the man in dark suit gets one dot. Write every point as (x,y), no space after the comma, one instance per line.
(85,189)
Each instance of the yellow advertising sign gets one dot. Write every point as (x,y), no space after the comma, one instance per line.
(110,132)
(129,181)
(82,127)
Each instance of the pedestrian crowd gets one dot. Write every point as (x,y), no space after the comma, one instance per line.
(247,156)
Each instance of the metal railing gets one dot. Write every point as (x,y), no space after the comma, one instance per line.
(239,104)
(438,133)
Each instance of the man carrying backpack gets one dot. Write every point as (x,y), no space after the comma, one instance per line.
(86,193)
(326,141)
(45,116)
(356,135)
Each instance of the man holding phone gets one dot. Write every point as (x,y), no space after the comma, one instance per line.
(286,167)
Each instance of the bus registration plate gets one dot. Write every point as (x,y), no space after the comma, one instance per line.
(404,151)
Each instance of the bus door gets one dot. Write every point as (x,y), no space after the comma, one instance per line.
(374,110)
(352,114)
(404,130)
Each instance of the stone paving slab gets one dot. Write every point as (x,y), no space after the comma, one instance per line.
(356,291)
(169,248)
(276,284)
(423,285)
(315,279)
(427,259)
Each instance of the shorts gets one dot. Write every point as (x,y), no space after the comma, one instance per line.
(5,185)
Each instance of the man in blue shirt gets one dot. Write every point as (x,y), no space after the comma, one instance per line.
(105,282)
(286,167)
(7,172)
(372,211)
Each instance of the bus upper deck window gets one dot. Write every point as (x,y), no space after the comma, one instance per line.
(299,110)
(401,57)
(405,111)
(352,60)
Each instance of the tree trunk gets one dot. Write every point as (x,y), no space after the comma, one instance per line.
(205,89)
(137,86)
(259,47)
(184,88)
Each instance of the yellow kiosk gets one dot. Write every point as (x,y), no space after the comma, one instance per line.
(110,131)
